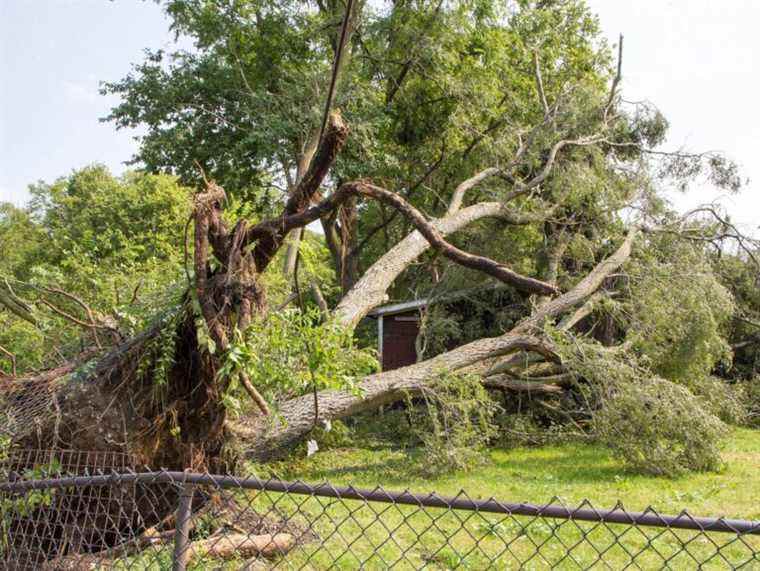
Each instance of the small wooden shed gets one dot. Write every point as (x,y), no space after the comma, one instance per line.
(398,325)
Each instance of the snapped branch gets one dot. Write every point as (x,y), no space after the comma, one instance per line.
(302,195)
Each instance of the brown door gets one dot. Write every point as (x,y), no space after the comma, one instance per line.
(399,333)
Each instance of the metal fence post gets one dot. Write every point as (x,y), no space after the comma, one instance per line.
(182,531)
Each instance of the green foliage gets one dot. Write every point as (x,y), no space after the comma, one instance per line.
(677,310)
(21,237)
(740,275)
(454,423)
(158,354)
(290,353)
(658,426)
(727,401)
(94,216)
(114,242)
(751,390)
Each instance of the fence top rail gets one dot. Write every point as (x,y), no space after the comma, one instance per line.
(554,509)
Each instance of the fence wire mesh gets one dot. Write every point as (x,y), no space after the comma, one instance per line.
(180,520)
(26,403)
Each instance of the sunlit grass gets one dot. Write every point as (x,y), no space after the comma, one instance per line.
(378,536)
(572,472)
(354,534)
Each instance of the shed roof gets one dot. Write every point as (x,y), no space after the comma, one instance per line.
(404,306)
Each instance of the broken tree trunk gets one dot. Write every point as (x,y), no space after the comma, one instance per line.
(239,545)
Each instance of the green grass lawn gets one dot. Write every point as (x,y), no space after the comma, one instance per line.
(378,536)
(354,534)
(573,472)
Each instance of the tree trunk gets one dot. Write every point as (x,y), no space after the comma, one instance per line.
(370,290)
(291,253)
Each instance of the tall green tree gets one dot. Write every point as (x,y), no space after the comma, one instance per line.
(112,245)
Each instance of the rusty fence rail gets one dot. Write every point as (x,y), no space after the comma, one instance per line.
(183,520)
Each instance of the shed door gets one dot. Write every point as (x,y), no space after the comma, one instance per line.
(399,333)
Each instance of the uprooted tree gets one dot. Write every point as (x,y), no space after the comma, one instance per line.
(473,143)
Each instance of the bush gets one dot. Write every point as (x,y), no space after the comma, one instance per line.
(455,423)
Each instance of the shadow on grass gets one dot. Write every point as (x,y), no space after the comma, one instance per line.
(398,469)
(568,464)
(576,463)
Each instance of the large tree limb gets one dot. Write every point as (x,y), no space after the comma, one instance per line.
(370,290)
(505,383)
(586,287)
(436,240)
(431,232)
(296,416)
(463,187)
(16,306)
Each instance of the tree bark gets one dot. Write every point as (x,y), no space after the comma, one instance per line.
(296,417)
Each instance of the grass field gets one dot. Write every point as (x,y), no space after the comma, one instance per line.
(354,534)
(572,472)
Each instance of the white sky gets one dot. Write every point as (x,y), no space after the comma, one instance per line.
(697,60)
(53,54)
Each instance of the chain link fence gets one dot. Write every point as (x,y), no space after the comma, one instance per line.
(125,519)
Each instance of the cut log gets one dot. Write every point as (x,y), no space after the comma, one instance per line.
(243,546)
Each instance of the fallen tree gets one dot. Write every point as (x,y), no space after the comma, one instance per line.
(535,197)
(124,403)
(569,163)
(297,415)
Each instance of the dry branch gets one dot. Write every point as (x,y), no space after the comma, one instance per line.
(506,383)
